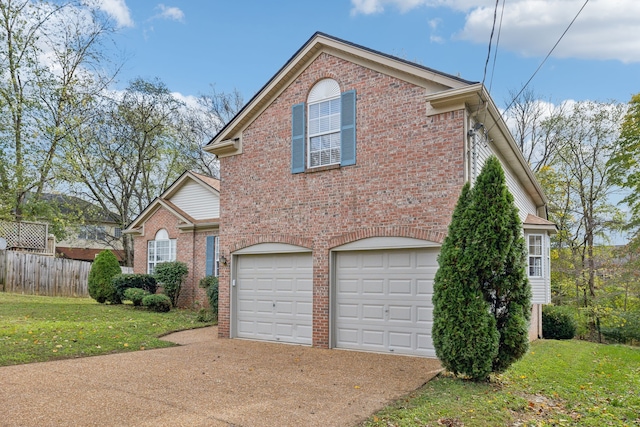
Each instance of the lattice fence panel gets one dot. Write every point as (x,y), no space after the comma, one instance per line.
(24,235)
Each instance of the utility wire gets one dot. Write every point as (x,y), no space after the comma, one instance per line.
(495,54)
(486,64)
(545,59)
(493,27)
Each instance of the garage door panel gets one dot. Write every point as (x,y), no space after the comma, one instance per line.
(383,300)
(373,338)
(274,297)
(402,287)
(425,314)
(372,287)
(401,313)
(401,340)
(372,312)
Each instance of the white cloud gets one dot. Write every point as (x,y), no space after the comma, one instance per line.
(368,7)
(171,13)
(117,9)
(605,30)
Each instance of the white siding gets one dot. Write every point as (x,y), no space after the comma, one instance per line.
(197,201)
(523,201)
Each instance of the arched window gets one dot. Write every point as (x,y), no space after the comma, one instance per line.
(323,143)
(160,250)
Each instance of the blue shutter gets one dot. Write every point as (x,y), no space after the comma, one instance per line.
(209,255)
(348,128)
(297,138)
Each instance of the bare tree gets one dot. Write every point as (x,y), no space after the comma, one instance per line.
(532,123)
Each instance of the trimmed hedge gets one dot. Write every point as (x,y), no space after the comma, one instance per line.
(159,303)
(557,323)
(122,282)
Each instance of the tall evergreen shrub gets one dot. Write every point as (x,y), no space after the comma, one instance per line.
(482,297)
(464,332)
(104,268)
(498,252)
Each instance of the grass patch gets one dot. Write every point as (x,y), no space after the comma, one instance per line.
(38,329)
(558,383)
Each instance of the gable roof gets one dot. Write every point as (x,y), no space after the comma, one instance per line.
(446,93)
(209,183)
(229,135)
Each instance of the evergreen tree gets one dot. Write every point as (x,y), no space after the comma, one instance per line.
(104,268)
(498,252)
(482,298)
(464,331)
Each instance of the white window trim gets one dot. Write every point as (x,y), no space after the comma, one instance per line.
(161,236)
(540,256)
(216,256)
(324,91)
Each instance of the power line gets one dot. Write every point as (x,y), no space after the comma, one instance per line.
(493,27)
(495,54)
(546,57)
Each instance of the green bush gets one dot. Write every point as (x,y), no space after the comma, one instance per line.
(122,282)
(557,323)
(210,283)
(170,275)
(104,268)
(206,316)
(627,329)
(135,295)
(159,303)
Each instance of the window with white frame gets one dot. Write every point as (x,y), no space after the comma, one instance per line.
(535,255)
(324,124)
(212,255)
(160,250)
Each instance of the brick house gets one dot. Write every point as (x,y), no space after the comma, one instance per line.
(181,224)
(338,181)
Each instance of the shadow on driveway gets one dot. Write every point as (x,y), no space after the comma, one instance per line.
(210,382)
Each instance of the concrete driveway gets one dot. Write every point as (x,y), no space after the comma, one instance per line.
(210,382)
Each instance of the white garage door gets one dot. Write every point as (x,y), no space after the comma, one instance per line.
(274,294)
(383,300)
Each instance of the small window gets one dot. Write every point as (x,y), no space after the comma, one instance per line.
(92,232)
(212,262)
(535,255)
(160,250)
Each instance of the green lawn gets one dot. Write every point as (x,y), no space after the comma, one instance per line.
(558,383)
(37,329)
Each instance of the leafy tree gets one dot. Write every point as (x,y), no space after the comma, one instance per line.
(52,67)
(171,275)
(464,331)
(104,268)
(625,162)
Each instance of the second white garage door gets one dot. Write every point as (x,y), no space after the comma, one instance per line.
(274,297)
(383,300)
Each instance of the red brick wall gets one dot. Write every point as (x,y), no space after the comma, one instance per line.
(190,249)
(406,181)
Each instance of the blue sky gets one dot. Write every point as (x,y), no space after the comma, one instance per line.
(191,44)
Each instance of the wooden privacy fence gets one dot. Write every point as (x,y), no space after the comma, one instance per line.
(43,275)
